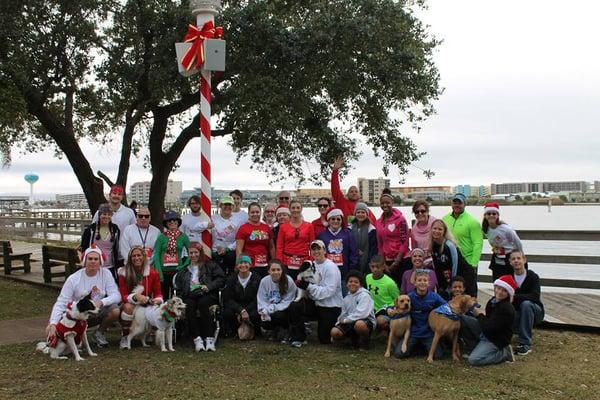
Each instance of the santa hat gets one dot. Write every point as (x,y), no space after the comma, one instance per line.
(507,282)
(282,210)
(492,206)
(93,249)
(336,212)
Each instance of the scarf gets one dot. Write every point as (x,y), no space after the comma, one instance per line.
(447,312)
(172,243)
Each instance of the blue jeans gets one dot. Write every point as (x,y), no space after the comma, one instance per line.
(486,353)
(414,342)
(528,315)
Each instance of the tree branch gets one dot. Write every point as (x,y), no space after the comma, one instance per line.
(106,178)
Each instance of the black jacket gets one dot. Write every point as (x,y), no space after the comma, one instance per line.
(529,290)
(209,274)
(497,322)
(89,237)
(237,298)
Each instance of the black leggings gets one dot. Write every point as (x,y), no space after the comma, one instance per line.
(279,319)
(197,314)
(307,310)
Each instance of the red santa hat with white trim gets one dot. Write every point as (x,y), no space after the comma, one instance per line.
(507,282)
(491,206)
(93,249)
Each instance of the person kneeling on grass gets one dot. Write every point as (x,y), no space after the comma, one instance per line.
(324,302)
(239,297)
(383,291)
(422,301)
(527,302)
(488,335)
(357,318)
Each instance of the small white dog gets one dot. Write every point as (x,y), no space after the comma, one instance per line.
(71,331)
(162,317)
(308,273)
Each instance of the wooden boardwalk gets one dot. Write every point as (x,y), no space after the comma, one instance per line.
(574,308)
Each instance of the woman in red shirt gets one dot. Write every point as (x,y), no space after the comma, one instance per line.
(139,285)
(255,239)
(293,240)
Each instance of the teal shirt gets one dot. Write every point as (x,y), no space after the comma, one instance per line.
(383,291)
(468,234)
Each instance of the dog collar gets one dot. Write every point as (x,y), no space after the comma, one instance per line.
(400,316)
(168,316)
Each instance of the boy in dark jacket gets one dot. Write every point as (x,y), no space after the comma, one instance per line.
(489,333)
(527,302)
(239,297)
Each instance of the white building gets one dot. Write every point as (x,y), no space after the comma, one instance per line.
(73,200)
(371,189)
(140,192)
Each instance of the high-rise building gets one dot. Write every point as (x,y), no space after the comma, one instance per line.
(531,187)
(140,192)
(371,189)
(472,191)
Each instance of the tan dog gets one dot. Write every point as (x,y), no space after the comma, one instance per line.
(445,321)
(399,324)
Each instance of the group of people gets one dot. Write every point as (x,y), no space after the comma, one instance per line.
(363,263)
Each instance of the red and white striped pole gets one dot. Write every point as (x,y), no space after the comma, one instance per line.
(205,11)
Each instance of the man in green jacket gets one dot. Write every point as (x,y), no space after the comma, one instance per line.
(466,230)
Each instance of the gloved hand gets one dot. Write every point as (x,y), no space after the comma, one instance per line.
(301,284)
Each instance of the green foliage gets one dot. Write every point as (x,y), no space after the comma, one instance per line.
(306,81)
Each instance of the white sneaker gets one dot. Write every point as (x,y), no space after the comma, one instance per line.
(123,342)
(210,344)
(100,339)
(199,344)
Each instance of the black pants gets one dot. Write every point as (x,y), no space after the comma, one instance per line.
(469,273)
(231,323)
(166,286)
(226,261)
(306,310)
(197,314)
(279,319)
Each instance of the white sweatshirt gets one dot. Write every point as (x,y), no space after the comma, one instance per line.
(194,225)
(328,292)
(224,232)
(79,285)
(357,306)
(135,236)
(504,239)
(269,299)
(123,217)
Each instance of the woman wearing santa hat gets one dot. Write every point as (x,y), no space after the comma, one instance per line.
(502,238)
(487,336)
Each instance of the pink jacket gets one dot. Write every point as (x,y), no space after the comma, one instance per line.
(392,235)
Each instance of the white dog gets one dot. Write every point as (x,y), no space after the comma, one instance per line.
(162,317)
(308,273)
(71,331)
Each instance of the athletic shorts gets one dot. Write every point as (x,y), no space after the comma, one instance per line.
(347,329)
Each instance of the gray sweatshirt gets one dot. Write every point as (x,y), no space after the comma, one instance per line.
(357,306)
(269,299)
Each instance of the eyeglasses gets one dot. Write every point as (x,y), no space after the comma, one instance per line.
(284,198)
(421,211)
(491,213)
(322,205)
(143,215)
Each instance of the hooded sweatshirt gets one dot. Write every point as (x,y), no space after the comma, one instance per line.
(392,235)
(357,306)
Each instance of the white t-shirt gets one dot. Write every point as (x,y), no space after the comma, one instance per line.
(224,232)
(194,225)
(123,217)
(244,281)
(520,278)
(241,217)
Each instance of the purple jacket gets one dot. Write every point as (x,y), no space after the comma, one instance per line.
(341,248)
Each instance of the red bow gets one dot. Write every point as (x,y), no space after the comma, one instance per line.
(194,57)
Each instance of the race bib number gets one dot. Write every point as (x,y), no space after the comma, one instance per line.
(294,262)
(260,260)
(338,259)
(170,260)
(149,253)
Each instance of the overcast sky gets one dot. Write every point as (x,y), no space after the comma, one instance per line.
(521,101)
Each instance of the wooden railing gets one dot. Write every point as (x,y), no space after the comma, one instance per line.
(46,226)
(588,236)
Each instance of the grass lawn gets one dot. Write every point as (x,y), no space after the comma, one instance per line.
(564,365)
(22,300)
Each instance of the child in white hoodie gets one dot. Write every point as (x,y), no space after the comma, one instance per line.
(357,319)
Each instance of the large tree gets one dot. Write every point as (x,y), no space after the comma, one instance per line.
(305,81)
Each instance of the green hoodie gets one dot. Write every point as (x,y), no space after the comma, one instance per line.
(468,234)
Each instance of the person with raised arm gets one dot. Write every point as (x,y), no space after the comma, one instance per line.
(348,202)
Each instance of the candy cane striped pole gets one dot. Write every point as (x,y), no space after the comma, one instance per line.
(205,100)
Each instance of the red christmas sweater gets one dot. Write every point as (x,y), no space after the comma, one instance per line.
(293,244)
(150,281)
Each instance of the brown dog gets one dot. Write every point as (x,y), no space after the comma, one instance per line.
(399,324)
(445,321)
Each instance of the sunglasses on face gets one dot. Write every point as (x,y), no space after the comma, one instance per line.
(420,212)
(143,215)
(284,198)
(323,205)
